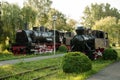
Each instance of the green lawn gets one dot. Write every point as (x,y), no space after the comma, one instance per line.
(21,67)
(12,56)
(97,66)
(118,50)
(24,66)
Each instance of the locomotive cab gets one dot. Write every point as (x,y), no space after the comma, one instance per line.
(101,39)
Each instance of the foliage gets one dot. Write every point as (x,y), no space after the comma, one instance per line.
(76,62)
(28,15)
(45,15)
(33,13)
(62,48)
(10,18)
(110,54)
(96,12)
(60,21)
(7,55)
(42,7)
(71,25)
(108,24)
(23,66)
(13,18)
(60,75)
(97,65)
(5,45)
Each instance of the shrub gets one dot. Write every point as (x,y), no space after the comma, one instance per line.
(62,48)
(76,62)
(110,54)
(113,44)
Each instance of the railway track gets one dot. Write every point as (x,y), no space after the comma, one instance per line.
(52,73)
(52,70)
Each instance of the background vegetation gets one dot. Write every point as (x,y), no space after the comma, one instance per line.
(39,13)
(33,13)
(103,17)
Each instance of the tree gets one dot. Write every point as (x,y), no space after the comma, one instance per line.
(60,22)
(110,26)
(9,19)
(71,25)
(28,16)
(42,7)
(13,18)
(45,14)
(96,12)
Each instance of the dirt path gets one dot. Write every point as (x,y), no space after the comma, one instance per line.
(111,72)
(28,59)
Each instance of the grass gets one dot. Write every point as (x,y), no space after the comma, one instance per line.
(11,56)
(118,51)
(24,66)
(97,66)
(19,67)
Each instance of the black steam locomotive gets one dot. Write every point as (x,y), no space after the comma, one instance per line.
(39,40)
(90,42)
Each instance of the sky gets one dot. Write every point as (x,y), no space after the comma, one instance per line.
(74,8)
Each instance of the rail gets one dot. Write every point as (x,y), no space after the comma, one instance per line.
(52,68)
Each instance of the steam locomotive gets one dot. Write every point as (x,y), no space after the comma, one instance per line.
(39,40)
(90,42)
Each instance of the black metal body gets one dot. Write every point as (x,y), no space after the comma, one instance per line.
(83,42)
(28,39)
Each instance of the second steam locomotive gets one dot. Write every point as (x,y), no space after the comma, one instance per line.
(90,42)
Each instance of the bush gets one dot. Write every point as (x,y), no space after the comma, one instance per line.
(62,48)
(113,44)
(76,62)
(110,54)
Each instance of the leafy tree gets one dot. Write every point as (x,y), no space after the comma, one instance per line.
(9,19)
(42,7)
(71,25)
(28,16)
(110,26)
(49,23)
(96,12)
(1,22)
(45,14)
(13,18)
(60,22)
